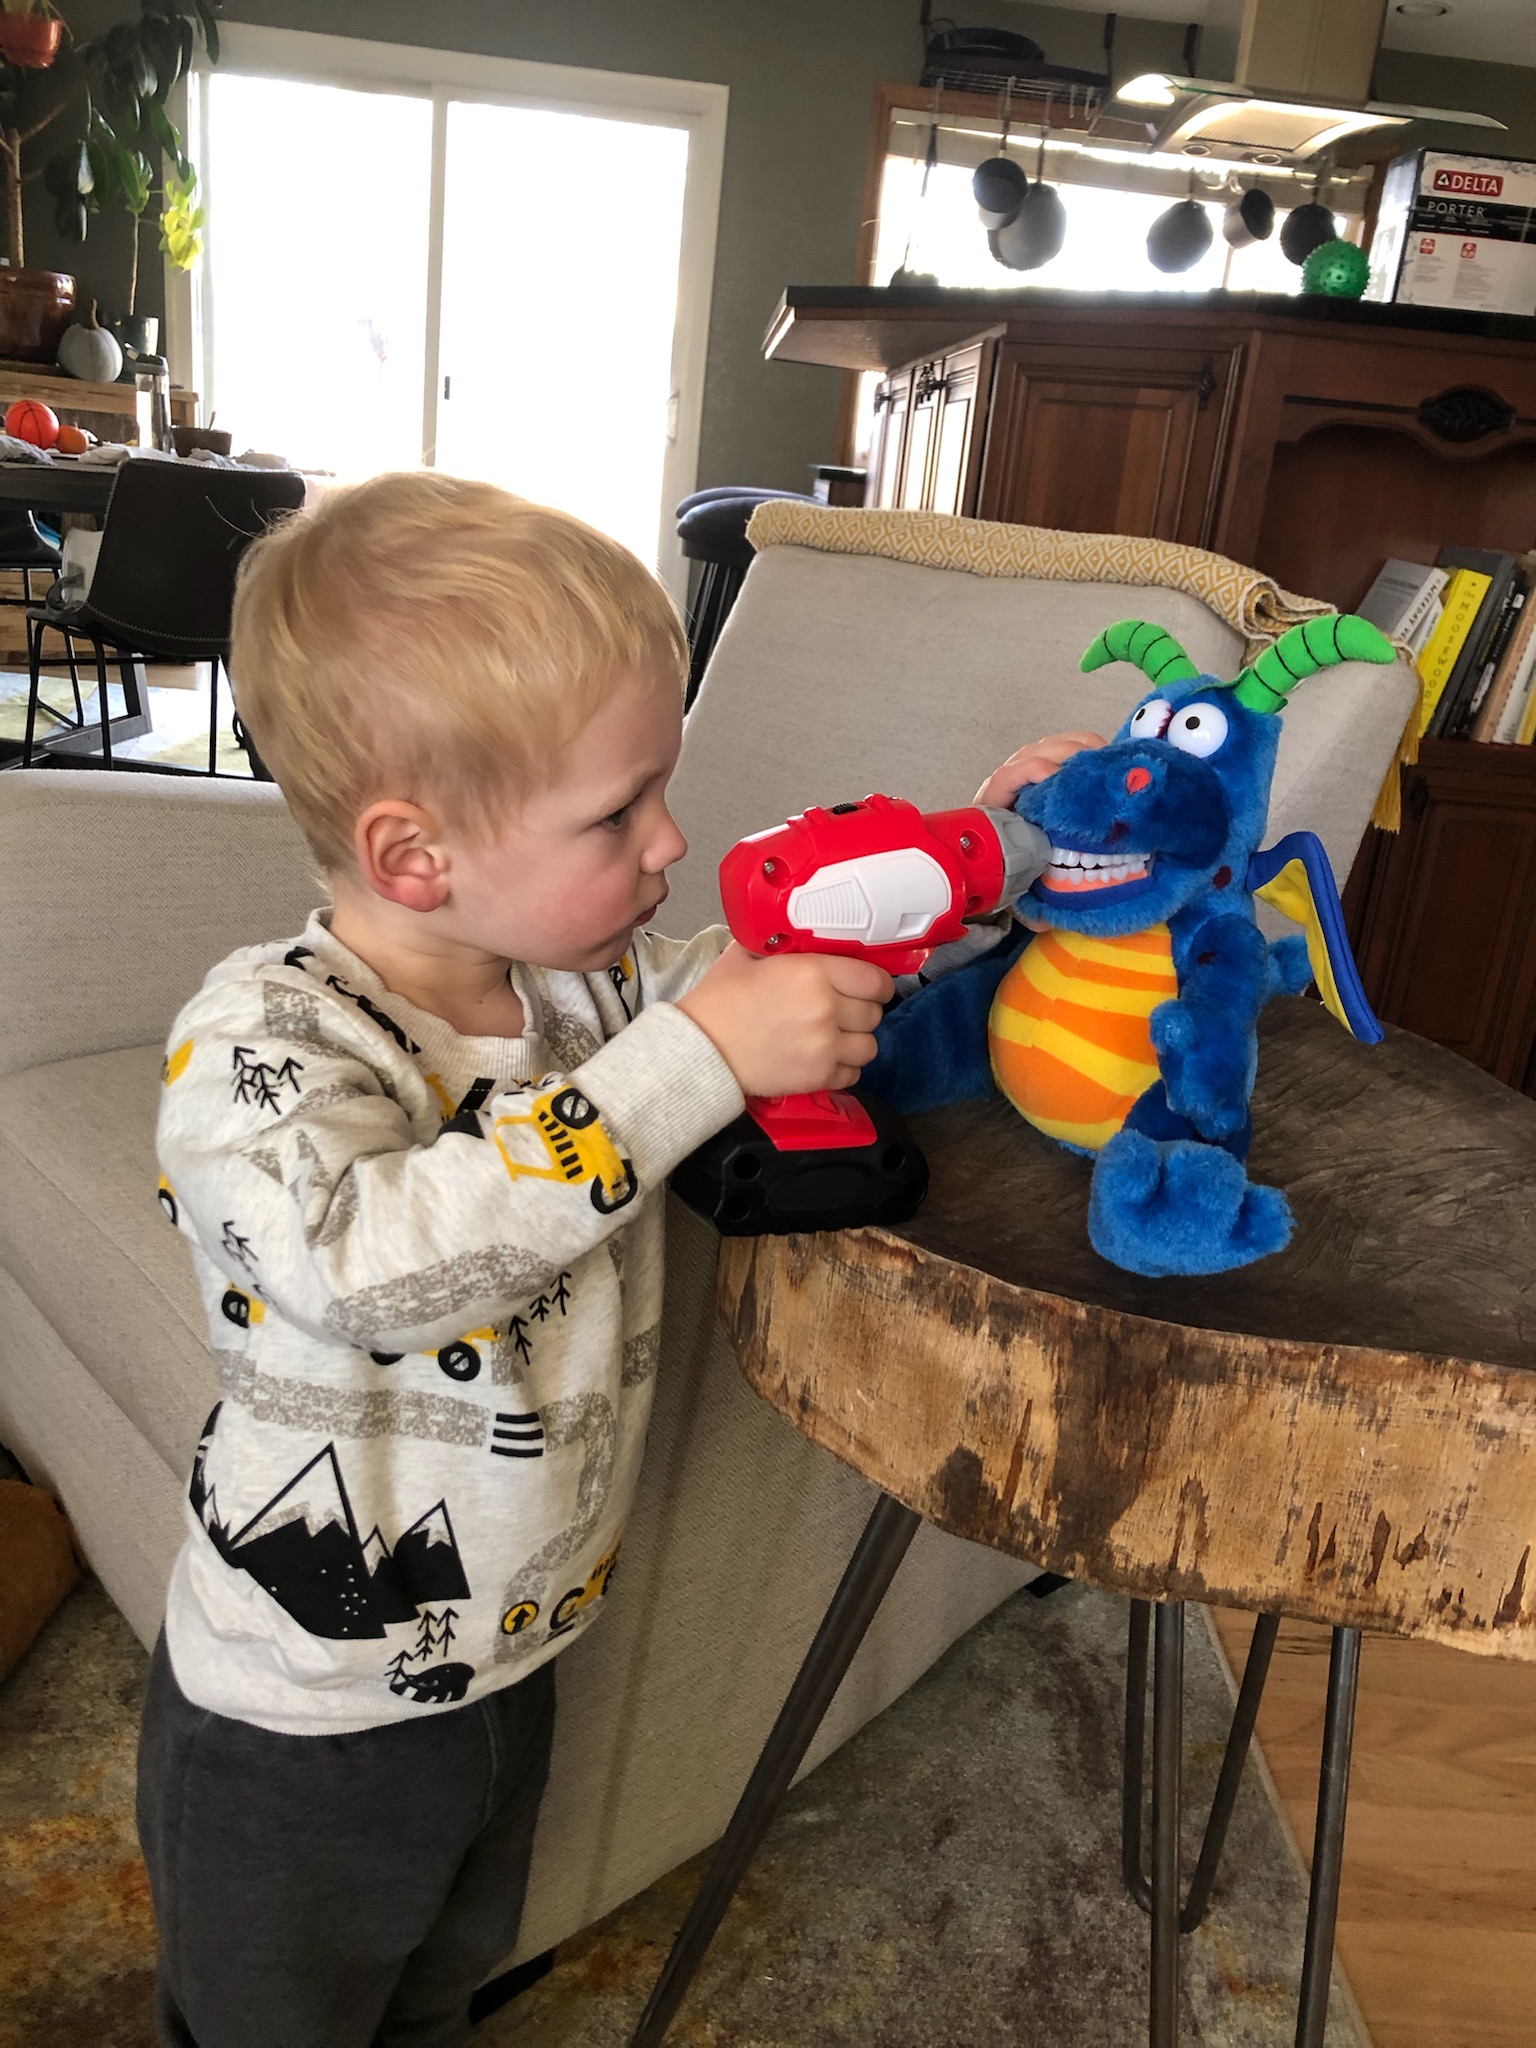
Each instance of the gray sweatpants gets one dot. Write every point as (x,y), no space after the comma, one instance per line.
(336,1891)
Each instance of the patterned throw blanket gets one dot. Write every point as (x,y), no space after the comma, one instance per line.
(1246,600)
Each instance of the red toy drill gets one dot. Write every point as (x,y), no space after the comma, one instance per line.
(878,880)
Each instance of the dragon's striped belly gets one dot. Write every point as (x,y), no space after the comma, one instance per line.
(1068,1033)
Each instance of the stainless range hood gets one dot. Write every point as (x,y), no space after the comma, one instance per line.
(1292,79)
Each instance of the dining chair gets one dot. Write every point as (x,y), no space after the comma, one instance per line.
(164,582)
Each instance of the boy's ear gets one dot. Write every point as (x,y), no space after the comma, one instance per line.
(400,856)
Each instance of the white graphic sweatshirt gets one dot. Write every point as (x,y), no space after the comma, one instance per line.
(433,1273)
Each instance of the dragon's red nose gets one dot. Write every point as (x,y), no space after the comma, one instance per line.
(1138,779)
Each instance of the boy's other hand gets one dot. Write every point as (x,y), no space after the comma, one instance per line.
(790,1026)
(1032,764)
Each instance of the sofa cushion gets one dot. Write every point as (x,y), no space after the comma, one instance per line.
(153,879)
(83,1235)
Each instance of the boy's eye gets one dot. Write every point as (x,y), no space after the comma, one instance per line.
(615,819)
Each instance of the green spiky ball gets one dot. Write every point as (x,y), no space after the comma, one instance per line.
(1336,270)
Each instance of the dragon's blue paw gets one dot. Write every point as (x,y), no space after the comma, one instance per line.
(1180,1207)
(1290,966)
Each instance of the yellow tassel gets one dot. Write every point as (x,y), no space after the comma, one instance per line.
(1387,815)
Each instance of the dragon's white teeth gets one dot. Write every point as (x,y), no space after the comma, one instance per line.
(1070,869)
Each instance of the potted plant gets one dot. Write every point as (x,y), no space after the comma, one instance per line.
(30,33)
(99,114)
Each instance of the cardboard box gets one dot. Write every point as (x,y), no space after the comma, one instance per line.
(1457,231)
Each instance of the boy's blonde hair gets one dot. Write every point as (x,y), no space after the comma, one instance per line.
(429,637)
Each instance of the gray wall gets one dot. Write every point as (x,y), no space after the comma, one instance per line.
(800,74)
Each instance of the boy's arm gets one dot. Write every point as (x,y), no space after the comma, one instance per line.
(295,1168)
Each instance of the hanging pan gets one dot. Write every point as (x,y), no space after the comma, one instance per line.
(1038,229)
(998,185)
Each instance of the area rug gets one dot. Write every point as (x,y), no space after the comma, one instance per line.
(949,1878)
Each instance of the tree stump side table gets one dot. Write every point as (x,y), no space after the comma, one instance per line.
(1344,1433)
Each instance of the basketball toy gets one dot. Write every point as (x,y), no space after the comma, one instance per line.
(30,420)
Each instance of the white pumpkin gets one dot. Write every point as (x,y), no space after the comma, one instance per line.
(90,352)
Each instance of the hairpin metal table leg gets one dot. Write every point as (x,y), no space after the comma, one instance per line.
(1133,1777)
(1260,1650)
(1167,1773)
(881,1548)
(1239,1740)
(1328,1843)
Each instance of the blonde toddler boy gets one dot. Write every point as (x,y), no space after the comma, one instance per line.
(418,1152)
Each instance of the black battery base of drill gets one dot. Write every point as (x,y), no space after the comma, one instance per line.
(742,1183)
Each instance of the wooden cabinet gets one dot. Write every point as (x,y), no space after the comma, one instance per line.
(928,445)
(1109,439)
(1443,914)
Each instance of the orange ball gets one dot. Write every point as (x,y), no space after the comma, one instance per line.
(30,420)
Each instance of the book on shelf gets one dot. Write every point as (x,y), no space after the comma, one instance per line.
(1518,719)
(1498,717)
(1404,596)
(1418,639)
(1446,656)
(1466,670)
(1505,630)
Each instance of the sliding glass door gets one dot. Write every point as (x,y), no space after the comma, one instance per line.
(561,238)
(497,268)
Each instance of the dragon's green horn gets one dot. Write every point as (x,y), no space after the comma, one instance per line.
(1157,654)
(1301,652)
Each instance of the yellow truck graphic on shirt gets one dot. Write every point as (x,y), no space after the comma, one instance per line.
(576,1148)
(567,1609)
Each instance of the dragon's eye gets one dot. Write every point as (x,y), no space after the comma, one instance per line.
(1198,729)
(1150,720)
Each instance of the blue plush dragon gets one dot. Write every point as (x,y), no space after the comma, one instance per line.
(1128,1027)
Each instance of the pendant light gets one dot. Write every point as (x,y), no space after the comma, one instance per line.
(1036,232)
(1178,238)
(998,185)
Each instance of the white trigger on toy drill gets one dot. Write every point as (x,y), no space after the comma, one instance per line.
(877,899)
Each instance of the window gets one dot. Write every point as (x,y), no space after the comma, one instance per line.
(412,275)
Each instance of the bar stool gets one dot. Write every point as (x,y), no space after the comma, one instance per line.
(712,527)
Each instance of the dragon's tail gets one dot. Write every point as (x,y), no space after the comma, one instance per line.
(1157,654)
(1302,651)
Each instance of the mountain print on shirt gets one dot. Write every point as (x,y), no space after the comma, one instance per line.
(303,1548)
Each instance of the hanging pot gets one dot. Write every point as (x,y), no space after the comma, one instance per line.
(998,187)
(30,41)
(1306,228)
(1036,232)
(1038,229)
(1249,219)
(1178,238)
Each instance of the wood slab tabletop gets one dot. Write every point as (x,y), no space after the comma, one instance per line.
(1346,1431)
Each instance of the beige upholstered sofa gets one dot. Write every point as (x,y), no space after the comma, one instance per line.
(835,675)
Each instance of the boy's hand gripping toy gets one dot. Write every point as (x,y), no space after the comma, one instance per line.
(1128,1029)
(877,880)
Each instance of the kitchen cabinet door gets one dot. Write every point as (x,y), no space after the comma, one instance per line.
(1445,911)
(1109,439)
(892,403)
(958,431)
